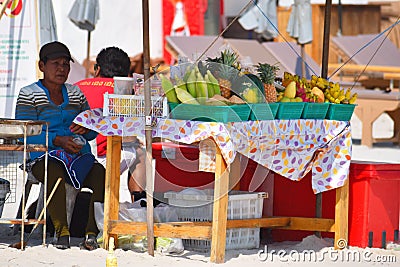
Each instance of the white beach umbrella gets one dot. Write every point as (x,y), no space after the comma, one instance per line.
(48,25)
(300,22)
(262,19)
(84,14)
(300,25)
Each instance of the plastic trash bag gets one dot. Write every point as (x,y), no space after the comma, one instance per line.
(134,212)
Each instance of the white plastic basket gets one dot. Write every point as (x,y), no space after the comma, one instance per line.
(197,206)
(133,106)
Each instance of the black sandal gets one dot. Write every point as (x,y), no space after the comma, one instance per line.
(62,242)
(90,243)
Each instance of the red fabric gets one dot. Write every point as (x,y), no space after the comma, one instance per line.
(94,89)
(194,11)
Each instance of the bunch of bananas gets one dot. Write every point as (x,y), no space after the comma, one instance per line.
(319,82)
(334,94)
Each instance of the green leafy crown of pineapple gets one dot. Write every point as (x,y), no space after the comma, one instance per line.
(267,72)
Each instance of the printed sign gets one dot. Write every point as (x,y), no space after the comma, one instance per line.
(18,53)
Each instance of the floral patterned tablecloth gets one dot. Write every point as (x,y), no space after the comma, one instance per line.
(290,148)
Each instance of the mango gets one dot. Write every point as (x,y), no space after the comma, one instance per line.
(320,95)
(290,90)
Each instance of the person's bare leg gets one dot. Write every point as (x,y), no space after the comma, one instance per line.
(137,176)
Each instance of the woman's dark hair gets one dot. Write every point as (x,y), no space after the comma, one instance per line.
(113,61)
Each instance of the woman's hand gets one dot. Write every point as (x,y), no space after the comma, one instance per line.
(67,144)
(77,129)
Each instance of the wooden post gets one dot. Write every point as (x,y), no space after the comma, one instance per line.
(220,209)
(148,129)
(111,197)
(342,216)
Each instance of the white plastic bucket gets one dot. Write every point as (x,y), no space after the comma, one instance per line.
(123,85)
(4,190)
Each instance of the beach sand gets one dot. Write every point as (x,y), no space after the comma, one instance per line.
(310,251)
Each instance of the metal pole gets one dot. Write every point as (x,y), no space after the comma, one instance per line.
(340,18)
(327,29)
(148,130)
(87,55)
(324,74)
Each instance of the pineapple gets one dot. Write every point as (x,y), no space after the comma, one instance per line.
(226,70)
(267,74)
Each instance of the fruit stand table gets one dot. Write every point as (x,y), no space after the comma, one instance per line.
(290,148)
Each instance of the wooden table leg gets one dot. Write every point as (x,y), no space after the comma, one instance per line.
(342,216)
(111,196)
(220,209)
(235,173)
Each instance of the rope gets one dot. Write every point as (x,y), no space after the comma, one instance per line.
(286,41)
(390,28)
(224,30)
(255,2)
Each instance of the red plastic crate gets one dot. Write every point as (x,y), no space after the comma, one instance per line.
(177,167)
(374,203)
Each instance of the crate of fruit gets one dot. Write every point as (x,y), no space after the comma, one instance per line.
(133,106)
(232,113)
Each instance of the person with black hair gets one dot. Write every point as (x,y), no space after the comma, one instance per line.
(110,62)
(53,100)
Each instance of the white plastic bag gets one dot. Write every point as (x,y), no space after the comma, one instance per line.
(134,212)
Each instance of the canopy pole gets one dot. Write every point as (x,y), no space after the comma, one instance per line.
(325,47)
(324,74)
(148,130)
(303,58)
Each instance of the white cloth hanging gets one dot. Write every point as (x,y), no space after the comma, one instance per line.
(262,19)
(300,22)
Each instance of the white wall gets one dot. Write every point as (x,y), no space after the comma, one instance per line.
(120,24)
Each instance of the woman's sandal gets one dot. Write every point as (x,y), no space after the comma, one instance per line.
(90,243)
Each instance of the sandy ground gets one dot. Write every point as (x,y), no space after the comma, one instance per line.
(310,251)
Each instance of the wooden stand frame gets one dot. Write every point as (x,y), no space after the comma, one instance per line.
(216,230)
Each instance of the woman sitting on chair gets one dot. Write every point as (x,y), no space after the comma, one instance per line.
(51,99)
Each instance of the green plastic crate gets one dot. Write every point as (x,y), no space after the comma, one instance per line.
(231,113)
(340,112)
(263,111)
(314,110)
(290,110)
